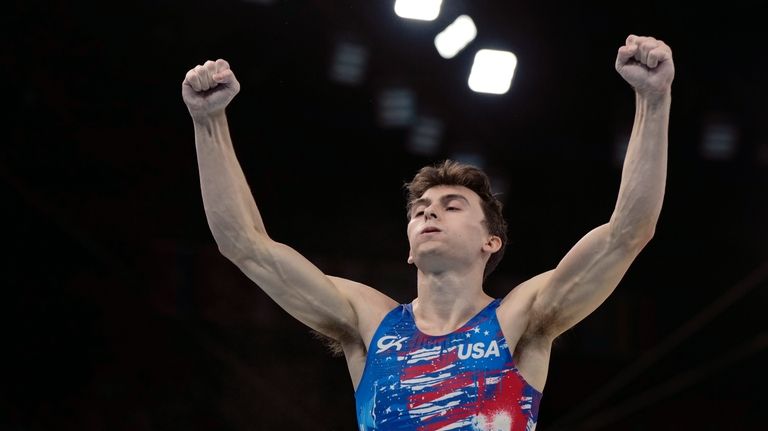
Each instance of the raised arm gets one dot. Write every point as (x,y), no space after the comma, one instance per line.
(592,269)
(288,278)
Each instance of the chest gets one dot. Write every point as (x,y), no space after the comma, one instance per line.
(402,361)
(453,381)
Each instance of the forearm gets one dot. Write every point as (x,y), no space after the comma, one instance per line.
(644,172)
(293,282)
(229,206)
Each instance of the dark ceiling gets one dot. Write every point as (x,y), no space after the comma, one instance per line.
(121,310)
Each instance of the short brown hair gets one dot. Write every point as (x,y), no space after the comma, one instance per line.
(453,173)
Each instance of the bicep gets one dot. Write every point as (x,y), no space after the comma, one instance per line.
(299,287)
(582,280)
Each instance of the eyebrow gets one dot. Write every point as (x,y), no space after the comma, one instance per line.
(443,199)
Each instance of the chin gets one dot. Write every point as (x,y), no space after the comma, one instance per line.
(432,260)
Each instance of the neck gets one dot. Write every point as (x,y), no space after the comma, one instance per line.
(446,300)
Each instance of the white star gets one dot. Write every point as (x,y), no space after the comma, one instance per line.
(468,334)
(486,332)
(477,329)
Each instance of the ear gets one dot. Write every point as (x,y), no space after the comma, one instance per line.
(492,245)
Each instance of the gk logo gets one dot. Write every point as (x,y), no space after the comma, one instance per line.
(388,341)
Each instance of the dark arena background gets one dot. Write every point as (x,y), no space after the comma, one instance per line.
(121,314)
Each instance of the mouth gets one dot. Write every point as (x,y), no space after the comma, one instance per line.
(430,229)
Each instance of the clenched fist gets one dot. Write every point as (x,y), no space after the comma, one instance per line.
(208,88)
(646,64)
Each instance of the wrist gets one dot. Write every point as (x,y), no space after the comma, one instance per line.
(205,118)
(654,100)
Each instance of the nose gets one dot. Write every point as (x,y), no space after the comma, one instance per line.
(430,213)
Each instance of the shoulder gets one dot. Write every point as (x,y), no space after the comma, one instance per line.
(515,313)
(370,305)
(521,297)
(362,294)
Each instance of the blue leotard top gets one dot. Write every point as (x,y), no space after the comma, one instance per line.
(465,380)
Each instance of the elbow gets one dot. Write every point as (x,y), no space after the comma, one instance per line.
(228,251)
(643,233)
(242,246)
(635,238)
(226,244)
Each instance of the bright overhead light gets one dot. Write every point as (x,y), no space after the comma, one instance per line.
(424,10)
(455,37)
(492,71)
